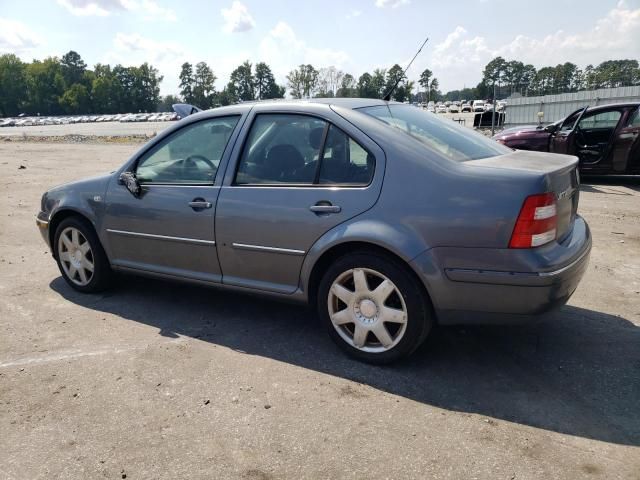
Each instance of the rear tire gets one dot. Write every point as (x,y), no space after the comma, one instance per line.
(81,259)
(373,307)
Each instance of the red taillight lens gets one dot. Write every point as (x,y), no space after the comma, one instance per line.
(536,224)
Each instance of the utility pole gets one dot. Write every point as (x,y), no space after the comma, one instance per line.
(493,111)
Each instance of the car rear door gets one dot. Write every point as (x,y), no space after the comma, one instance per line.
(626,144)
(562,140)
(295,173)
(169,227)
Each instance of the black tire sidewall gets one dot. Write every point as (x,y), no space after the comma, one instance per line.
(102,270)
(419,318)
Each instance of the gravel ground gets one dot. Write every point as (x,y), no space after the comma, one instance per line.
(160,380)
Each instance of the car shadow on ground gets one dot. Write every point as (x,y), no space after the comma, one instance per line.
(576,372)
(609,183)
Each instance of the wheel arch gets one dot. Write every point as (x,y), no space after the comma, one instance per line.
(63,214)
(338,250)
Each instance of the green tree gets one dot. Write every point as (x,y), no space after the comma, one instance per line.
(379,82)
(242,83)
(45,86)
(73,67)
(303,81)
(13,85)
(75,99)
(102,95)
(186,82)
(424,79)
(365,86)
(166,103)
(348,86)
(204,86)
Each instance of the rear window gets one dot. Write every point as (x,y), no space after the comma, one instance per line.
(445,137)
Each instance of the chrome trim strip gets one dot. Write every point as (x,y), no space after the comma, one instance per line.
(162,237)
(261,248)
(44,223)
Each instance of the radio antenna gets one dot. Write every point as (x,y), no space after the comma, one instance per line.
(387,96)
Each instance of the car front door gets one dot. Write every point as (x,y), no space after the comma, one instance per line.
(626,145)
(297,175)
(593,137)
(562,140)
(168,228)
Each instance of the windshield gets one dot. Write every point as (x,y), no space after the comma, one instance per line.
(446,137)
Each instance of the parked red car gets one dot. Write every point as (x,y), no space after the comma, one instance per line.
(606,138)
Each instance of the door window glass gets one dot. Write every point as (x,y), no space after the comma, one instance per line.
(189,156)
(345,161)
(281,148)
(600,120)
(634,120)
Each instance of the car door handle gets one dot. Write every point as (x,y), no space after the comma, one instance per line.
(325,208)
(198,204)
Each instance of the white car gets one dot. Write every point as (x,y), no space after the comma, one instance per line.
(453,108)
(478,106)
(441,109)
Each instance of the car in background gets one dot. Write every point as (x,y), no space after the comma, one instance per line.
(478,106)
(466,107)
(383,217)
(453,108)
(441,109)
(605,138)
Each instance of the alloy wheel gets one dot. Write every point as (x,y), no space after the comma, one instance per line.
(367,310)
(76,256)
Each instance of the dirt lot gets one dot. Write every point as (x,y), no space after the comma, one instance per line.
(158,380)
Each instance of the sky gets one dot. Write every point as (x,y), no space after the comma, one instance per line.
(353,35)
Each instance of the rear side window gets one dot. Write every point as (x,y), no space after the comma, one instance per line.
(445,137)
(301,150)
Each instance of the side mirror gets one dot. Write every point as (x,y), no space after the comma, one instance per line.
(551,128)
(129,180)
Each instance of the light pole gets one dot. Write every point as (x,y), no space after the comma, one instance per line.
(493,111)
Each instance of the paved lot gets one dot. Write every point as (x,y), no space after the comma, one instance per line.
(159,380)
(103,128)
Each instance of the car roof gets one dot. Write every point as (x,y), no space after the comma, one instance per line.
(613,105)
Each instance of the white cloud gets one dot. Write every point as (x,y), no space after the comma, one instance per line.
(148,9)
(237,18)
(283,50)
(152,49)
(353,14)
(615,36)
(16,37)
(391,3)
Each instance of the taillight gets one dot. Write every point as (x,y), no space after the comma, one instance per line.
(536,224)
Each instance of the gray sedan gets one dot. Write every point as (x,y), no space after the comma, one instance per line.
(385,218)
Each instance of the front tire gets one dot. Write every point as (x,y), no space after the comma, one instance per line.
(373,308)
(80,256)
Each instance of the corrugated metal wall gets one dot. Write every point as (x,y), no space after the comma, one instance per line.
(524,110)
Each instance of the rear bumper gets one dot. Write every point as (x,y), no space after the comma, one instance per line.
(504,285)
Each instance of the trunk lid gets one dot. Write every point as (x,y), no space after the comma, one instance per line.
(557,173)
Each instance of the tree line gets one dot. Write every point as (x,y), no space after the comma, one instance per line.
(515,77)
(56,86)
(65,85)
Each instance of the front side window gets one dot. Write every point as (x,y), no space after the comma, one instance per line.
(445,137)
(301,150)
(190,155)
(600,120)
